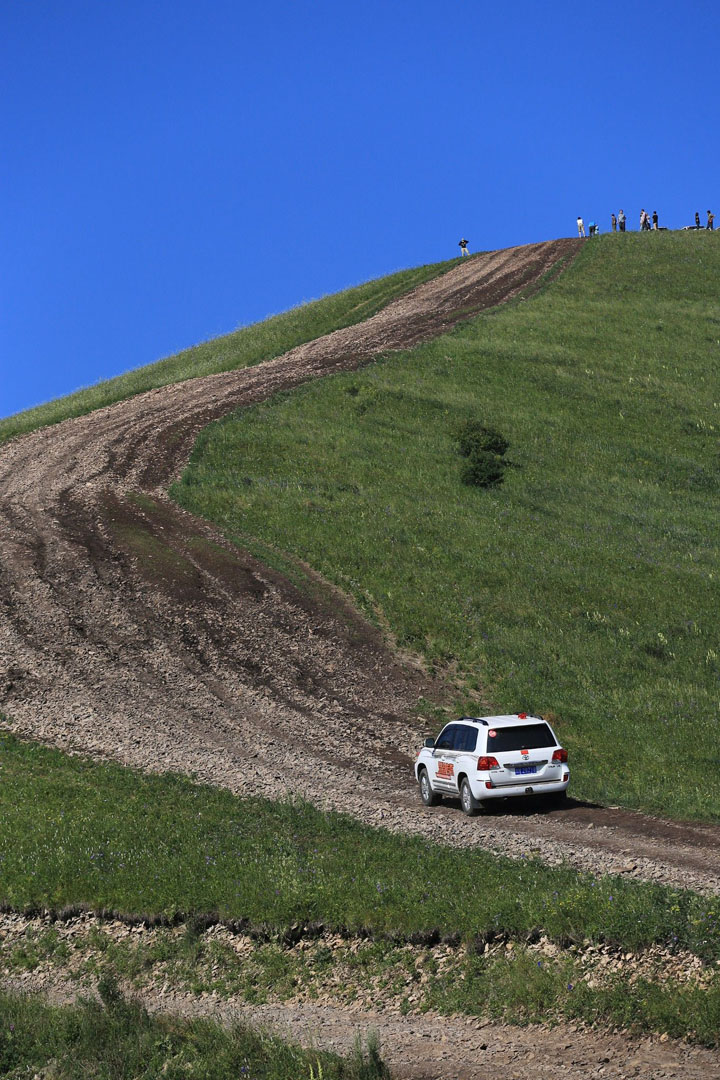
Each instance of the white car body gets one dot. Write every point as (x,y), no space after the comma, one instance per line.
(492,757)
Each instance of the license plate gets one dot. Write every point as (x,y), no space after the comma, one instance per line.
(526,770)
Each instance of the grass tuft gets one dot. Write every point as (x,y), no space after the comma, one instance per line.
(116,1038)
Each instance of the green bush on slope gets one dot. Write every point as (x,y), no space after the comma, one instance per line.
(474,437)
(484,448)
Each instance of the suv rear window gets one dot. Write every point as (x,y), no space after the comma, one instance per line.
(465,738)
(524,737)
(457,737)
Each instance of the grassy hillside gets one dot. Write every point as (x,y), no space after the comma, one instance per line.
(162,848)
(202,849)
(584,587)
(250,345)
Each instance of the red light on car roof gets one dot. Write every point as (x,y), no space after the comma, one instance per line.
(522,716)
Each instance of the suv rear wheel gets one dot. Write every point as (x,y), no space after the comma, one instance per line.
(468,802)
(428,796)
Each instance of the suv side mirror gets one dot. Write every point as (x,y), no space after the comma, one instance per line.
(429,743)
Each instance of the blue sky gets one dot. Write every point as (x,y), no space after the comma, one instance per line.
(173,170)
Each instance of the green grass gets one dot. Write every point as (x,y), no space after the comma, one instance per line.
(585,586)
(247,346)
(523,989)
(116,1039)
(111,838)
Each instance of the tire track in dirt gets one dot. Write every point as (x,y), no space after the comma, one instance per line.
(133,631)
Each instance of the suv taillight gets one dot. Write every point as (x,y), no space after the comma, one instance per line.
(485,763)
(559,755)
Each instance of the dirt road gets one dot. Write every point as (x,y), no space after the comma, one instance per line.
(131,630)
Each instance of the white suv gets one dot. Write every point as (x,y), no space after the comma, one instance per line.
(492,757)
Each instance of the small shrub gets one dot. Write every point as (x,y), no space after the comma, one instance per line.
(483,447)
(109,991)
(483,470)
(475,438)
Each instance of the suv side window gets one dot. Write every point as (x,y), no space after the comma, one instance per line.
(466,738)
(446,738)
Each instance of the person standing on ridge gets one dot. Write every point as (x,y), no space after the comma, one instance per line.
(463,247)
(581,226)
(613,222)
(621,220)
(697,220)
(710,222)
(655,220)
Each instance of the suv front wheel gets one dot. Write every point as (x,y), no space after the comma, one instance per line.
(428,796)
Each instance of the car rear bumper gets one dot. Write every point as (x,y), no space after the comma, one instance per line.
(514,791)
